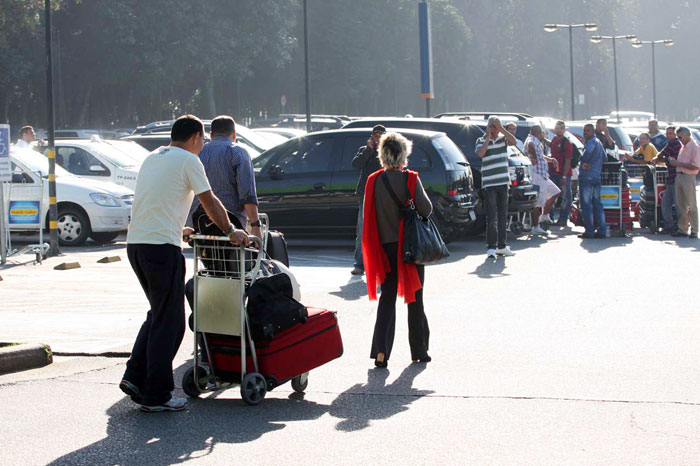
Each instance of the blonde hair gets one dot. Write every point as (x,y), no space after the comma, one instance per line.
(394,150)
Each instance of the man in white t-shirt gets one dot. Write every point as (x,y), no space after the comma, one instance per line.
(168,180)
(27,137)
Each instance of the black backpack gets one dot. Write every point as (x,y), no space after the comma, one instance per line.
(575,152)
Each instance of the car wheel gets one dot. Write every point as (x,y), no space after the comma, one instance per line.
(73,227)
(104,237)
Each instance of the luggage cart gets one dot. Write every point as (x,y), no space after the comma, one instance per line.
(635,179)
(651,193)
(615,197)
(220,308)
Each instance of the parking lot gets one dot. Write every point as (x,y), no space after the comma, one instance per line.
(542,358)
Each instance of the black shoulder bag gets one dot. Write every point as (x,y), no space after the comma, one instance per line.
(422,243)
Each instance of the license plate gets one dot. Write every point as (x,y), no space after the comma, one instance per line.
(472,215)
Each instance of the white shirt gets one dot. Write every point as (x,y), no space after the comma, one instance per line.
(23,144)
(168,180)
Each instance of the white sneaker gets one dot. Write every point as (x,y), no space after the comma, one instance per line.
(173,404)
(505,251)
(491,253)
(546,218)
(538,230)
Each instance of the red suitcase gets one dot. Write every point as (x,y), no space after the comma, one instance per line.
(289,354)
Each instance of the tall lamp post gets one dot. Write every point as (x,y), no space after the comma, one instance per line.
(638,44)
(53,211)
(614,39)
(589,27)
(306,69)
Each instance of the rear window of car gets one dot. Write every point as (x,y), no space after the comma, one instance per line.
(452,157)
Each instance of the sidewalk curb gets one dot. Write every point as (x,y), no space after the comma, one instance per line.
(23,357)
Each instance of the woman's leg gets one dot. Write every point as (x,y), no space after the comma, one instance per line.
(385,326)
(418,331)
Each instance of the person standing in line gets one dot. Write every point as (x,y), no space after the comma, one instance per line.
(367,162)
(512,128)
(229,170)
(688,166)
(656,137)
(168,180)
(492,149)
(602,132)
(589,184)
(668,198)
(562,151)
(534,145)
(382,245)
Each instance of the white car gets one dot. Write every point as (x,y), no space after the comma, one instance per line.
(98,160)
(86,208)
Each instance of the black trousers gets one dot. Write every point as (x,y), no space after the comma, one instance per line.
(384,328)
(160,269)
(496,199)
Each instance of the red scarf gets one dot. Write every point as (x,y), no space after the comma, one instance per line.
(375,259)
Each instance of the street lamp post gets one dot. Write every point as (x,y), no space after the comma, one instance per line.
(589,27)
(638,44)
(306,69)
(597,40)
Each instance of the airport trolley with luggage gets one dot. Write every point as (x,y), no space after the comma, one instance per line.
(635,179)
(237,352)
(615,197)
(652,190)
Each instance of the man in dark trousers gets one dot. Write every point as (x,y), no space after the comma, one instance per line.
(168,180)
(589,185)
(366,162)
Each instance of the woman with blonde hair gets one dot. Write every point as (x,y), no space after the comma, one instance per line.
(382,243)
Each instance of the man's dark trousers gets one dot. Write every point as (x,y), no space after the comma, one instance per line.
(496,200)
(160,269)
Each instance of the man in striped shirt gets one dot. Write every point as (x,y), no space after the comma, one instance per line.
(492,149)
(668,198)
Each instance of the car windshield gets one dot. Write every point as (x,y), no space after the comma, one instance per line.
(36,162)
(449,152)
(259,143)
(116,156)
(136,151)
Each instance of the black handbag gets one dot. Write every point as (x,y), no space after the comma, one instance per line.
(422,243)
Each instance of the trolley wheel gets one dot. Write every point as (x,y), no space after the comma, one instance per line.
(517,228)
(189,387)
(253,388)
(652,227)
(300,382)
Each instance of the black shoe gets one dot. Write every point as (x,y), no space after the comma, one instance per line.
(425,358)
(693,236)
(380,363)
(600,236)
(586,236)
(357,271)
(131,390)
(678,233)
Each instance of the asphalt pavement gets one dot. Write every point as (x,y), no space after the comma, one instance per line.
(572,352)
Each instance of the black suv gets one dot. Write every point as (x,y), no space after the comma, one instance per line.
(523,194)
(307,184)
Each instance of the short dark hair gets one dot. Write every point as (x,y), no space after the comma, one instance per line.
(601,120)
(25,129)
(683,130)
(589,125)
(672,128)
(185,127)
(379,129)
(223,124)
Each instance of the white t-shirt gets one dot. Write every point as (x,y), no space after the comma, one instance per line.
(168,180)
(23,144)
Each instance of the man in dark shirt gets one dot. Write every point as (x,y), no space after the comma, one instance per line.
(589,185)
(668,197)
(366,162)
(230,172)
(602,132)
(562,150)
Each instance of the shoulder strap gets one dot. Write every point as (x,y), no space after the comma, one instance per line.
(385,179)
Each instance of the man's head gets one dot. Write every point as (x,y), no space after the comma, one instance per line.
(653,126)
(601,124)
(536,131)
(559,128)
(683,134)
(492,126)
(188,134)
(588,132)
(377,133)
(671,133)
(26,133)
(223,125)
(644,139)
(512,127)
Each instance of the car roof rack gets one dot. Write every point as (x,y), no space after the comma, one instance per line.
(484,115)
(302,116)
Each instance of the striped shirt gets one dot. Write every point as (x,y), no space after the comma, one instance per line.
(494,165)
(541,167)
(670,152)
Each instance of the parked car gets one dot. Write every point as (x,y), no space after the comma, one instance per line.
(96,159)
(622,140)
(298,121)
(286,132)
(524,121)
(75,133)
(151,142)
(131,148)
(86,208)
(307,185)
(464,133)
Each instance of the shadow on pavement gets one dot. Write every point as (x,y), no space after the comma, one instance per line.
(491,268)
(595,245)
(353,290)
(363,403)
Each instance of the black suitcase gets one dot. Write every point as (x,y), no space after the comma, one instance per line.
(272,308)
(219,260)
(277,247)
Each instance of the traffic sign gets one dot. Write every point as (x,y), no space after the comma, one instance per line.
(5,167)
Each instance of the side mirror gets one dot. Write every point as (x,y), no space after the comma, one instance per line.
(276,173)
(97,169)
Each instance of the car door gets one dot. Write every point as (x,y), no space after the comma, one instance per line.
(344,203)
(25,195)
(82,163)
(293,185)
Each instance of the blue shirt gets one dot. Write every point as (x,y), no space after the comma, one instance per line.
(594,155)
(230,172)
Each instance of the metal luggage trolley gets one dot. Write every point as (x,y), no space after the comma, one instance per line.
(651,193)
(615,198)
(635,179)
(222,272)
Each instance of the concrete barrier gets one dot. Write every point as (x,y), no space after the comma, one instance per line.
(24,356)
